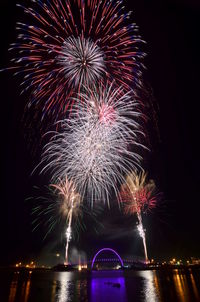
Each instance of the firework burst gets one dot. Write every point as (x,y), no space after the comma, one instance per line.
(97,146)
(63,206)
(70,207)
(82,62)
(138,196)
(60,50)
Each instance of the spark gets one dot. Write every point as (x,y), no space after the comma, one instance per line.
(98,145)
(70,207)
(62,206)
(139,196)
(82,61)
(69,44)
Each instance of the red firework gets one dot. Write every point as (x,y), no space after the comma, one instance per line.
(70,44)
(137,194)
(107,114)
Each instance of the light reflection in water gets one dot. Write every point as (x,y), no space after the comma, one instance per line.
(53,292)
(13,290)
(63,294)
(108,288)
(151,288)
(27,290)
(196,293)
(105,286)
(23,289)
(181,286)
(157,283)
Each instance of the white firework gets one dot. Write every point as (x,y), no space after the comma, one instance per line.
(70,208)
(82,61)
(97,145)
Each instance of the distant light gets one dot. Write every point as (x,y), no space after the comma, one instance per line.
(57,255)
(79,268)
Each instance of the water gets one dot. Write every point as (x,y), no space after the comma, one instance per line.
(100,286)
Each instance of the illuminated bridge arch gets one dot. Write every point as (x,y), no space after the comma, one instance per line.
(110,250)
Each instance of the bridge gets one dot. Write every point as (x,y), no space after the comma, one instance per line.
(117,258)
(122,263)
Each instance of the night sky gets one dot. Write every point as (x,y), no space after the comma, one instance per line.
(171,29)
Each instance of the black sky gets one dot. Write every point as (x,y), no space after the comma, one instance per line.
(171,29)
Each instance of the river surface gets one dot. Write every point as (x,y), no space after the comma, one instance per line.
(100,286)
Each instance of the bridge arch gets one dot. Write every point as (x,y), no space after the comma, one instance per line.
(110,250)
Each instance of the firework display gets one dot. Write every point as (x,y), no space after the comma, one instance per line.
(62,206)
(93,147)
(82,65)
(138,196)
(70,207)
(82,62)
(68,44)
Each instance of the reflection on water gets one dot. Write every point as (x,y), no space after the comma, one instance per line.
(63,289)
(185,286)
(150,288)
(18,288)
(194,286)
(96,286)
(26,290)
(69,287)
(13,290)
(53,293)
(106,287)
(181,286)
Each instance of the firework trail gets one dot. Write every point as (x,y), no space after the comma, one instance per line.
(65,207)
(70,44)
(98,145)
(70,207)
(53,210)
(139,196)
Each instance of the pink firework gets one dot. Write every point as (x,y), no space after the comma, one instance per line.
(98,144)
(107,114)
(138,195)
(68,45)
